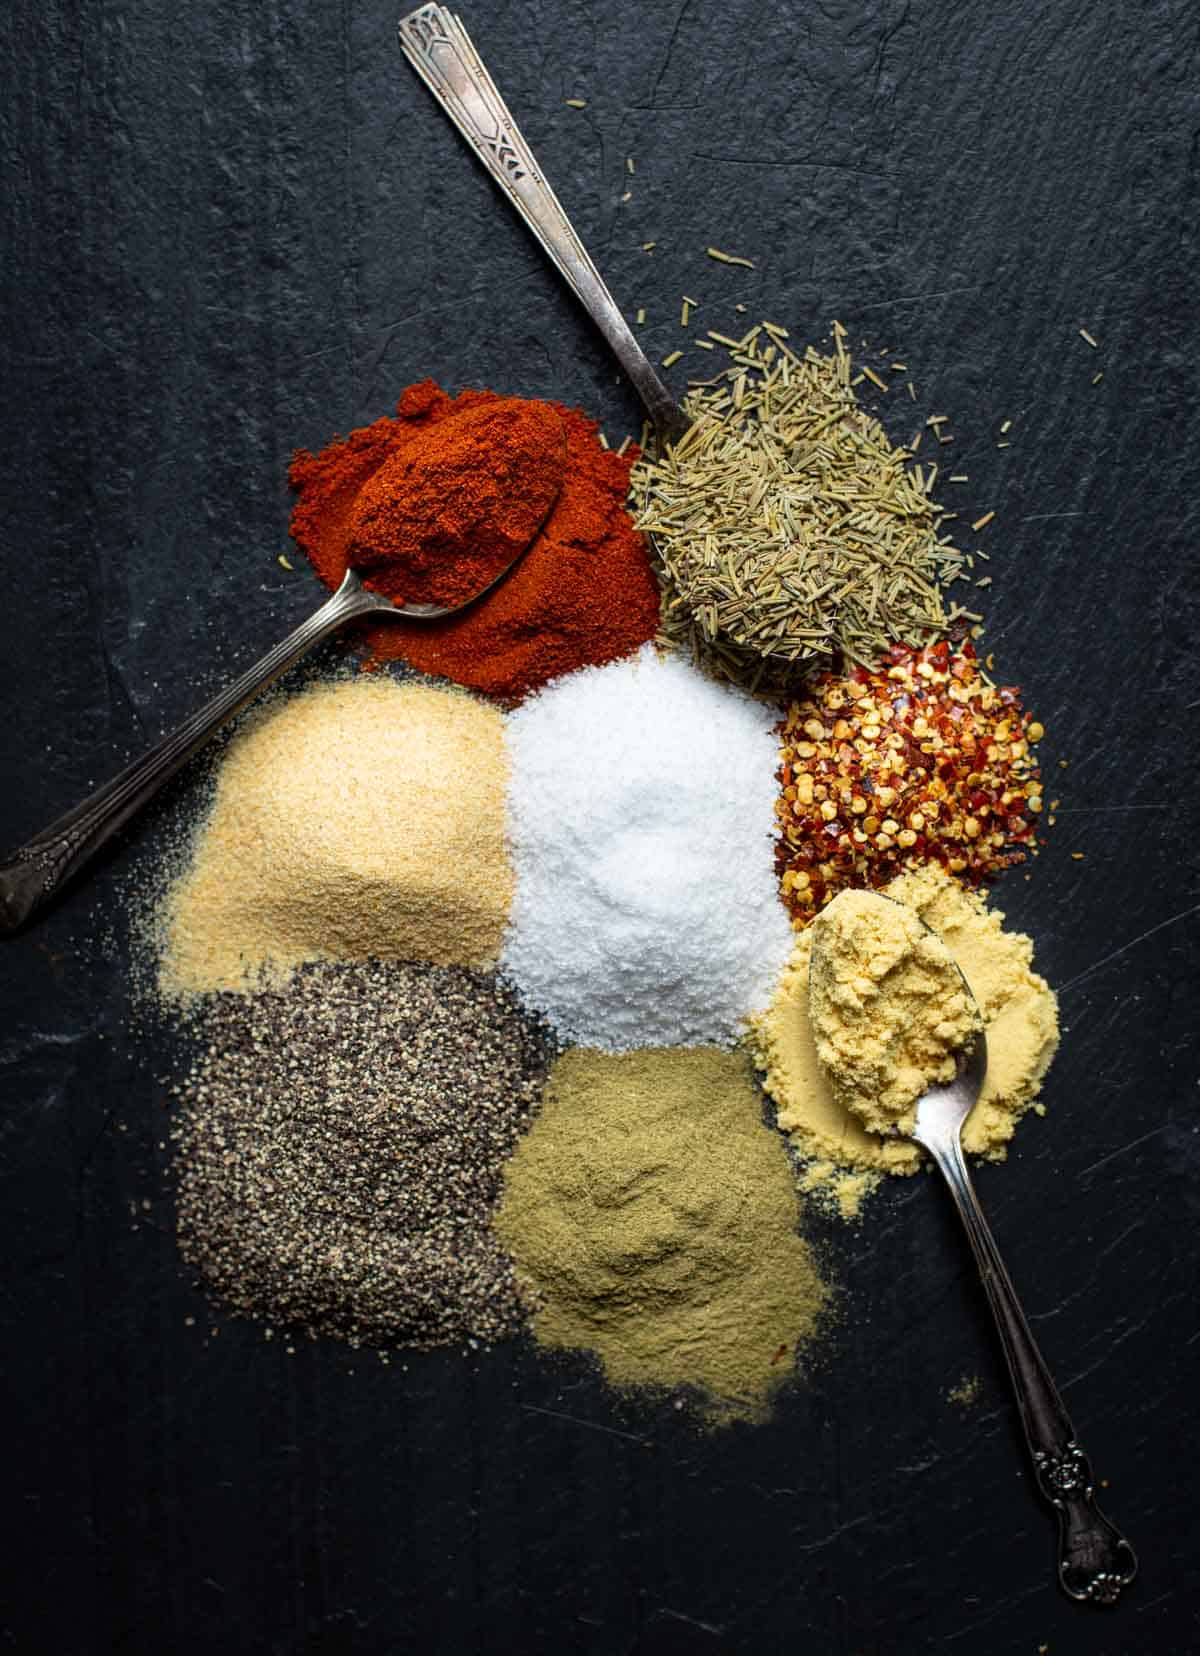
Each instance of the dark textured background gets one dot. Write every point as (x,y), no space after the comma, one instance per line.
(229,229)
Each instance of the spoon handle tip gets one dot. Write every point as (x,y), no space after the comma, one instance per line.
(33,875)
(1095,1561)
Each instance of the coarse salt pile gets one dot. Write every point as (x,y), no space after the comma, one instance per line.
(641,811)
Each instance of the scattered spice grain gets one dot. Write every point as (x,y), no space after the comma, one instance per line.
(339,1149)
(728,258)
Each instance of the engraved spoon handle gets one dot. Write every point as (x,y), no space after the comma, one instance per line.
(440,50)
(1095,1561)
(33,874)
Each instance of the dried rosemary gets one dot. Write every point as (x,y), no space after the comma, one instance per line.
(787,528)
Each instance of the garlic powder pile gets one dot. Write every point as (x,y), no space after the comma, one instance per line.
(362,818)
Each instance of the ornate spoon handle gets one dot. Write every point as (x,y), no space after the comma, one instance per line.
(31,875)
(440,50)
(1094,1559)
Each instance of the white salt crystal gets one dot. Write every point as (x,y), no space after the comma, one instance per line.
(641,818)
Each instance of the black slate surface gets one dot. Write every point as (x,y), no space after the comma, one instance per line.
(229,230)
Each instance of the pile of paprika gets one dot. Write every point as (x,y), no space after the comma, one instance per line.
(433,503)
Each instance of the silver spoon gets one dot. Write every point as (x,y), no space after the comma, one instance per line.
(440,50)
(33,874)
(1095,1561)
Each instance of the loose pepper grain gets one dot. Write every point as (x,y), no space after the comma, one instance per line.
(919,760)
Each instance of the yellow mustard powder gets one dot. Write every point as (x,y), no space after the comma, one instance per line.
(888,1006)
(1020,1018)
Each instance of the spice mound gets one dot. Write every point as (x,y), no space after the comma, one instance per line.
(787,525)
(652,1217)
(362,817)
(338,1151)
(646,911)
(584,593)
(889,1009)
(915,761)
(1020,1019)
(445,514)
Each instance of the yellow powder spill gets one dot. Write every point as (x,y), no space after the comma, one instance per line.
(889,1008)
(1019,1014)
(967,1393)
(360,818)
(836,1190)
(652,1217)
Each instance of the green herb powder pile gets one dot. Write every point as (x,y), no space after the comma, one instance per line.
(787,527)
(338,1151)
(653,1219)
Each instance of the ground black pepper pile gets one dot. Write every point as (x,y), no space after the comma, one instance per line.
(339,1149)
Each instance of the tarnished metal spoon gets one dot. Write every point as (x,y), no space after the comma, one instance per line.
(440,50)
(32,876)
(442,53)
(1095,1561)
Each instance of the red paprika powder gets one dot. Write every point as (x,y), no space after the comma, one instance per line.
(428,504)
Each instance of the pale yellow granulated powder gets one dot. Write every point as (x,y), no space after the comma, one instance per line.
(361,818)
(1019,1014)
(653,1218)
(889,1008)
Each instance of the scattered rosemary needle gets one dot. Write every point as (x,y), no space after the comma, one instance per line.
(785,524)
(728,258)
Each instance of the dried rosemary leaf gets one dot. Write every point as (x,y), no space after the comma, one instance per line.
(786,527)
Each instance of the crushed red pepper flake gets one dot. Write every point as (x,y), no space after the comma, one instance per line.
(918,760)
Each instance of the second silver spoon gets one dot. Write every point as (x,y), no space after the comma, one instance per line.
(441,52)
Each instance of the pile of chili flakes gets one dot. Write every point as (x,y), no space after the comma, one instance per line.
(919,760)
